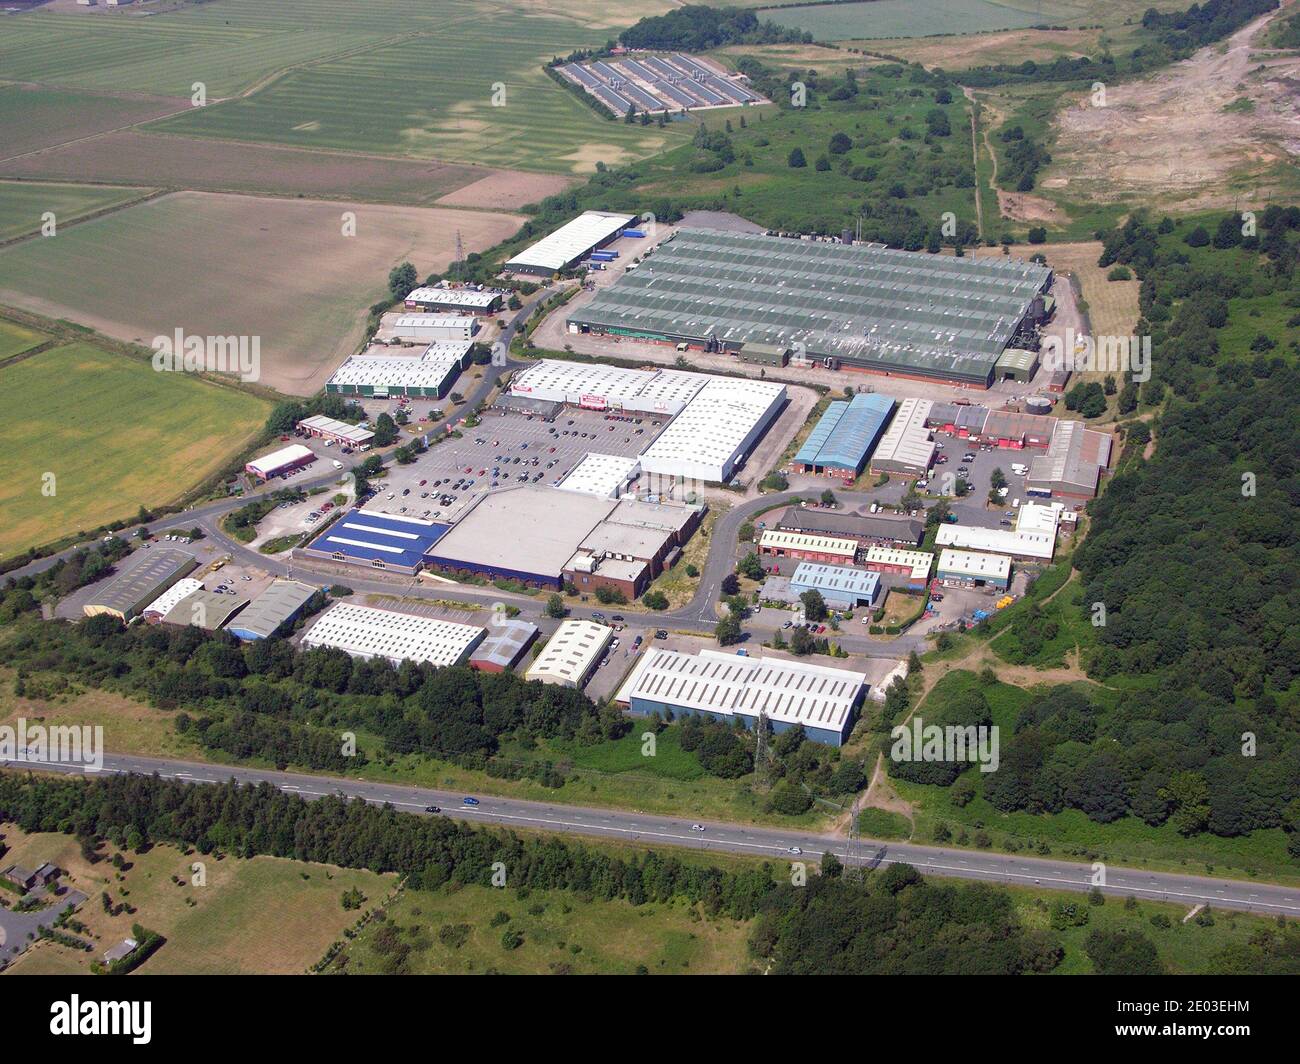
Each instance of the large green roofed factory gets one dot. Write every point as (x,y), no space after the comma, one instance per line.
(855,306)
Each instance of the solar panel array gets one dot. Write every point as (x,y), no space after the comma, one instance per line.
(659,83)
(868,306)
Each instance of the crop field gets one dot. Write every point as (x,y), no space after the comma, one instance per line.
(901,18)
(500,108)
(34,117)
(15,339)
(22,204)
(265,915)
(113,433)
(280,270)
(131,158)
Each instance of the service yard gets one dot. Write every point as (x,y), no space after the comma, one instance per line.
(511,449)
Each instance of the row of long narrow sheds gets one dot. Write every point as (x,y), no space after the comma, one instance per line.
(863,306)
(727,687)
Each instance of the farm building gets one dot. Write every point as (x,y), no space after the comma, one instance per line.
(209,610)
(1036,546)
(430,328)
(715,431)
(278,605)
(127,594)
(295,456)
(460,300)
(572,654)
(659,83)
(392,542)
(365,632)
(863,307)
(831,549)
(503,646)
(727,687)
(912,565)
(867,530)
(603,475)
(960,568)
(907,447)
(1072,466)
(572,241)
(527,533)
(845,435)
(840,588)
(158,608)
(340,432)
(380,374)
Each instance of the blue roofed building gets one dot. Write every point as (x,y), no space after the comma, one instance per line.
(376,541)
(841,588)
(845,436)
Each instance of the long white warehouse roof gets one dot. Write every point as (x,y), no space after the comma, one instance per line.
(365,632)
(650,390)
(714,426)
(183,588)
(605,475)
(907,440)
(997,541)
(269,463)
(570,653)
(791,692)
(571,241)
(974,565)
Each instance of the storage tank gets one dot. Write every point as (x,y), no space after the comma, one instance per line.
(846,236)
(1038,404)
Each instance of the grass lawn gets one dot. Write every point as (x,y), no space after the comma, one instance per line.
(676,584)
(113,434)
(450,931)
(264,915)
(15,339)
(899,18)
(24,203)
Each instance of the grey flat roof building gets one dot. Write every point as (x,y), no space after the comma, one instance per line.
(130,592)
(900,530)
(865,306)
(273,607)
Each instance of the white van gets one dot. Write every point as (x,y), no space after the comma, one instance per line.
(1015,504)
(338,465)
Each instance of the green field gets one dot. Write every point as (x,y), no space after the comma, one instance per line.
(901,18)
(15,339)
(22,204)
(114,434)
(398,100)
(266,915)
(400,77)
(889,162)
(33,117)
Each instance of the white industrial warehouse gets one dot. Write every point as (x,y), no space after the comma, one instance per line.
(571,654)
(365,632)
(605,475)
(571,242)
(1038,546)
(725,687)
(715,420)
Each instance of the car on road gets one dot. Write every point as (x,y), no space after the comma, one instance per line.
(795,850)
(697,827)
(469,801)
(618,617)
(598,616)
(433,809)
